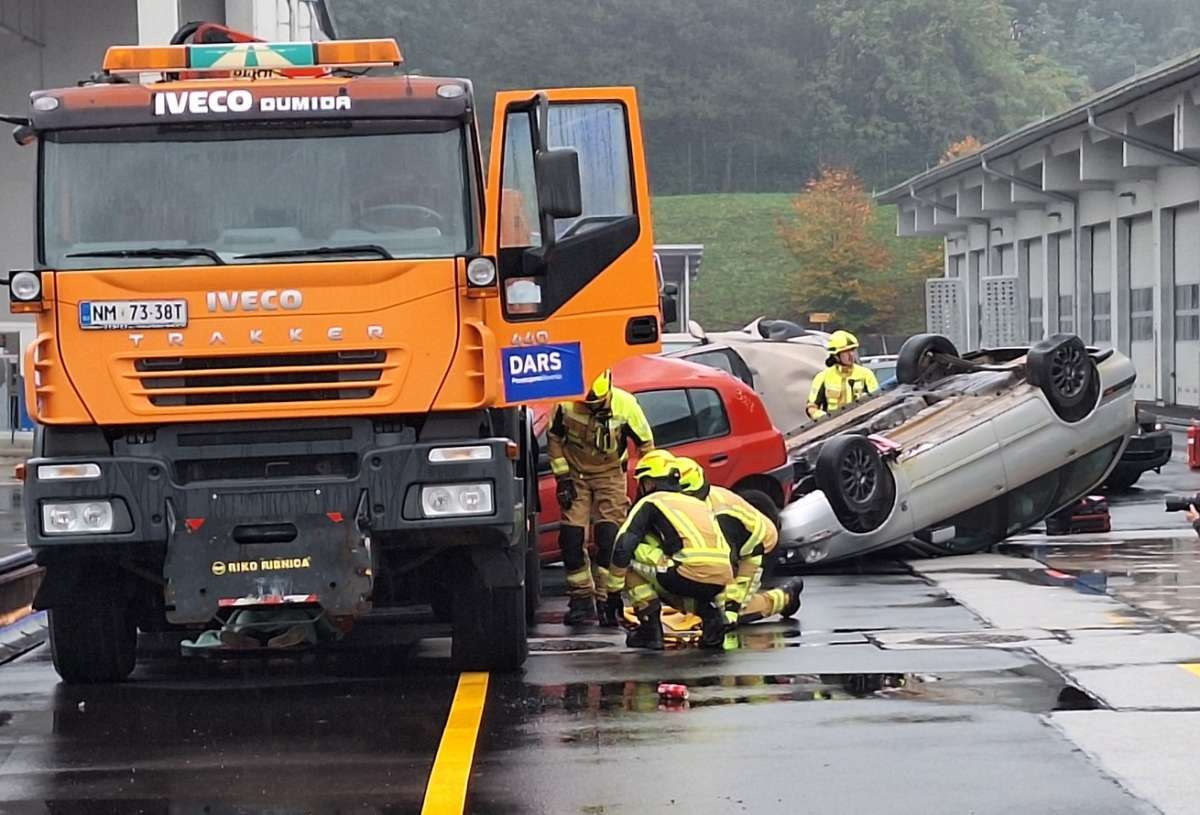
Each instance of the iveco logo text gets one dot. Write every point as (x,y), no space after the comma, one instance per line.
(267,300)
(199,103)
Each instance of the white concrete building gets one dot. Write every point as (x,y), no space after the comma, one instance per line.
(55,43)
(1086,222)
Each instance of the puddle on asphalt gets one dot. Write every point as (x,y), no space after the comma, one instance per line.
(1160,576)
(1023,689)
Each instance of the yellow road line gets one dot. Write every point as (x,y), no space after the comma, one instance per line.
(1191,667)
(446,792)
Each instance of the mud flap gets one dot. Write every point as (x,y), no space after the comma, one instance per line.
(226,562)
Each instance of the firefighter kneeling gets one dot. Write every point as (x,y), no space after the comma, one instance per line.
(751,537)
(670,548)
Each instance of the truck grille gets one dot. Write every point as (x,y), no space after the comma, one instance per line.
(256,379)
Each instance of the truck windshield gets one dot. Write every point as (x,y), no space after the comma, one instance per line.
(108,195)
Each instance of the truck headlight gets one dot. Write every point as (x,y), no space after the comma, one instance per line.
(77,517)
(440,500)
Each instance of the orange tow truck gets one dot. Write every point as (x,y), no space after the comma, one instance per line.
(286,329)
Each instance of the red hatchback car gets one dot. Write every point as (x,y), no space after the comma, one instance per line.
(694,411)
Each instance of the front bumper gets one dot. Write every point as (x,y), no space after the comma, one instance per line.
(1148,450)
(205,502)
(811,534)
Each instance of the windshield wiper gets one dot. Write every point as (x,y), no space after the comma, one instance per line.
(355,249)
(153,252)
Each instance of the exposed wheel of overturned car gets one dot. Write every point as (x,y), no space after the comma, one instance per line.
(918,355)
(856,482)
(1066,373)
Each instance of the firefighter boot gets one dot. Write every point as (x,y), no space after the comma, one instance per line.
(649,633)
(792,588)
(712,623)
(580,611)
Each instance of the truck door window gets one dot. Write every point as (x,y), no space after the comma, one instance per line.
(518,195)
(597,133)
(539,279)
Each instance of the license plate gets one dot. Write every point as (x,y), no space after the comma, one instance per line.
(133,314)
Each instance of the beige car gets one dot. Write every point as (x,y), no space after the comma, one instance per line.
(775,357)
(963,452)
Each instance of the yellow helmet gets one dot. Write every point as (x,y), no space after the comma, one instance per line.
(601,390)
(691,474)
(840,341)
(657,464)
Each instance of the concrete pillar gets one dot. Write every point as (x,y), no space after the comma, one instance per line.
(1122,228)
(1164,306)
(1083,286)
(157,21)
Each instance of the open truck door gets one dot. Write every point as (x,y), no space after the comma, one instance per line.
(568,221)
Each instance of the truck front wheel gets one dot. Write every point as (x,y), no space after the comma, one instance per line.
(489,625)
(93,641)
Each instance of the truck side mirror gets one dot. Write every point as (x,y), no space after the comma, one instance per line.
(558,186)
(669,303)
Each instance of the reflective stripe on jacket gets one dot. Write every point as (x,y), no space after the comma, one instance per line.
(588,442)
(836,387)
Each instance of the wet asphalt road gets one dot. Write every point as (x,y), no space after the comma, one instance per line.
(843,711)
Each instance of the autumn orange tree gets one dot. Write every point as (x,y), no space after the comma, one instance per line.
(963,147)
(842,263)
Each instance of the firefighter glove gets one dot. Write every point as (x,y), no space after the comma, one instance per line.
(565,493)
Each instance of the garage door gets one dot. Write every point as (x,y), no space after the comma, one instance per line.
(1102,285)
(1037,288)
(1143,347)
(1065,249)
(1187,306)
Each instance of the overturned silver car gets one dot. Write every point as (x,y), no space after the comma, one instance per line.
(965,451)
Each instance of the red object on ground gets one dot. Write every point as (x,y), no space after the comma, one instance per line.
(669,691)
(1193,446)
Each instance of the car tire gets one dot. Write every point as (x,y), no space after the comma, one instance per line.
(489,625)
(93,641)
(1066,373)
(916,356)
(762,502)
(856,482)
(1122,480)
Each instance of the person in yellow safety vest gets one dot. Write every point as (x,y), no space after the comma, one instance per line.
(588,444)
(843,381)
(751,537)
(670,547)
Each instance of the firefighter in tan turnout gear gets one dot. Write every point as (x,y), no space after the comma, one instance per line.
(751,537)
(843,382)
(670,548)
(588,444)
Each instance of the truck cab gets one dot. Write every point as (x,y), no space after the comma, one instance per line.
(286,329)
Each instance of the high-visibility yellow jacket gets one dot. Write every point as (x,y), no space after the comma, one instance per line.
(690,537)
(587,442)
(837,387)
(750,535)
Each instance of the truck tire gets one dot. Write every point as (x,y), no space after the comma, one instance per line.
(533,574)
(94,641)
(489,626)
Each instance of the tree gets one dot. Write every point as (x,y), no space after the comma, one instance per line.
(841,265)
(960,148)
